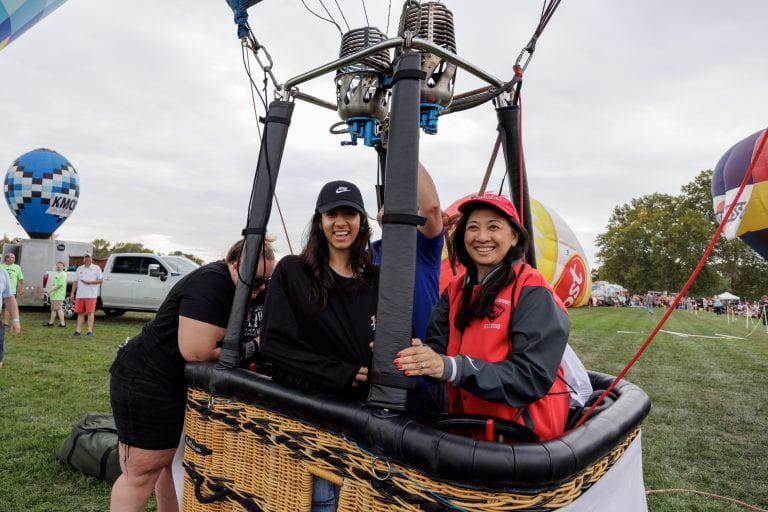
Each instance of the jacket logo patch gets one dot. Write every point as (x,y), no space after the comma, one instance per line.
(496,311)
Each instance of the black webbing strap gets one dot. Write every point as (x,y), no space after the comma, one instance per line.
(414,74)
(395,381)
(253,231)
(403,218)
(275,119)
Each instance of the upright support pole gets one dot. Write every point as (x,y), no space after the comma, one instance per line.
(509,131)
(275,132)
(398,260)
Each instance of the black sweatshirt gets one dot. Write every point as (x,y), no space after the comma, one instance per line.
(314,347)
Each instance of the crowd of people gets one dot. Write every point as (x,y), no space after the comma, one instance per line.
(493,343)
(717,305)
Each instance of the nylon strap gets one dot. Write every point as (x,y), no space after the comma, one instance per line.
(275,119)
(403,218)
(253,231)
(395,381)
(416,74)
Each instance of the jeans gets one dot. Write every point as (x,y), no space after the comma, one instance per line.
(2,342)
(325,495)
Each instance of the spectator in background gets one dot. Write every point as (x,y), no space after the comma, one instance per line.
(717,305)
(649,303)
(11,307)
(762,306)
(85,291)
(58,294)
(16,279)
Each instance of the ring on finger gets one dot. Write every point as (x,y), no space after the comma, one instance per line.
(422,365)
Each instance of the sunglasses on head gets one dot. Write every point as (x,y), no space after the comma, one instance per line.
(260,281)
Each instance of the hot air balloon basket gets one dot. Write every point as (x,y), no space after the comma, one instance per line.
(240,456)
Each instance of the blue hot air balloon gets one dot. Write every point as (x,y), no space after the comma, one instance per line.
(749,220)
(18,16)
(41,188)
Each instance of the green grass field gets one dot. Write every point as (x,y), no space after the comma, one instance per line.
(707,429)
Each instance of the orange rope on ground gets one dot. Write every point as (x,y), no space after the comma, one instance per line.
(739,503)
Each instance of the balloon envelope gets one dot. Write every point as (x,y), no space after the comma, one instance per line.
(41,188)
(559,256)
(749,219)
(18,16)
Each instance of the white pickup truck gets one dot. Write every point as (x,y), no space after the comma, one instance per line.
(133,282)
(140,281)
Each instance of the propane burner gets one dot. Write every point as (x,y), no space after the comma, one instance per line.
(360,99)
(434,22)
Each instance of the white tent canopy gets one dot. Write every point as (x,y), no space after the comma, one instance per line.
(727,296)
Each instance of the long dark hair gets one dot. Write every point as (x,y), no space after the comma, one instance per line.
(479,306)
(316,256)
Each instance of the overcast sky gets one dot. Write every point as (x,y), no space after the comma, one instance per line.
(149,101)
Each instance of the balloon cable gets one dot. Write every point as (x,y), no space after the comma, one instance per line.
(687,285)
(491,163)
(282,220)
(520,161)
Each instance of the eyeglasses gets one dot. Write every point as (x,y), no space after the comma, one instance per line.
(260,281)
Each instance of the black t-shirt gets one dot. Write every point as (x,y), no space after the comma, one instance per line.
(314,347)
(205,294)
(255,320)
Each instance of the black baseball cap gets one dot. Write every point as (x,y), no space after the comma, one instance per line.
(339,193)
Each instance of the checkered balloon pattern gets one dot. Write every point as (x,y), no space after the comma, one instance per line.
(32,182)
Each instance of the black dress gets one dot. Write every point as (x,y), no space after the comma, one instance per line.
(148,389)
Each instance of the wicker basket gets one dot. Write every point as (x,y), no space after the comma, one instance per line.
(240,456)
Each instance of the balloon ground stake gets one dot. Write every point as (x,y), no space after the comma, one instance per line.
(682,293)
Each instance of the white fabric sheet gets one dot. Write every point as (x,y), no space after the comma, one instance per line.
(620,489)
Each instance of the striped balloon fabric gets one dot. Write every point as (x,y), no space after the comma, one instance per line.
(18,16)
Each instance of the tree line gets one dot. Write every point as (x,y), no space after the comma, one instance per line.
(655,241)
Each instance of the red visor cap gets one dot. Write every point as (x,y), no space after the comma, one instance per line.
(495,200)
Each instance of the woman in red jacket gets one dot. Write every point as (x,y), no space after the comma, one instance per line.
(498,333)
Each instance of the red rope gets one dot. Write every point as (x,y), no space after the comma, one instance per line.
(687,285)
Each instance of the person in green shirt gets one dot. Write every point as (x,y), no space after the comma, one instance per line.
(58,294)
(16,278)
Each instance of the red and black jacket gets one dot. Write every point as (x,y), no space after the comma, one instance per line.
(507,365)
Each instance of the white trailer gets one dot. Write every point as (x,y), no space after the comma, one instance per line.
(36,257)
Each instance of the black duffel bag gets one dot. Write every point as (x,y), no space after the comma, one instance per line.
(92,447)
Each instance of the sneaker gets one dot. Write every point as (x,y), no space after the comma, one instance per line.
(75,334)
(89,333)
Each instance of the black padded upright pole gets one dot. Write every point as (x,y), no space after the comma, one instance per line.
(509,129)
(394,314)
(275,132)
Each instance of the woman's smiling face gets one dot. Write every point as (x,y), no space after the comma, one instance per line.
(341,226)
(488,238)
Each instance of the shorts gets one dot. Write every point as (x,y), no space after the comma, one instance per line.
(56,305)
(85,305)
(148,413)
